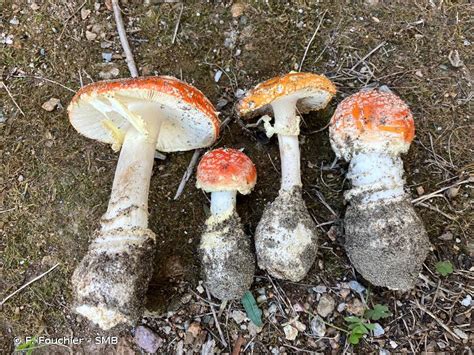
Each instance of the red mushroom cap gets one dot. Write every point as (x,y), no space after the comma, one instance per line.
(224,170)
(372,119)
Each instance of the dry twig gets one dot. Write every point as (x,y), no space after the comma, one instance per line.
(123,39)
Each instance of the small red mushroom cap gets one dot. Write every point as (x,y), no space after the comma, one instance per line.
(371,120)
(226,169)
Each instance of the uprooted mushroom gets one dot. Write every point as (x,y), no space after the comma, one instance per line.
(227,260)
(385,239)
(138,116)
(285,238)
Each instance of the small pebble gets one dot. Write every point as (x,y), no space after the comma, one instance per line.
(318,327)
(239,93)
(290,332)
(146,339)
(467,301)
(393,344)
(237,9)
(326,306)
(446,236)
(107,57)
(253,329)
(420,190)
(109,74)
(51,104)
(90,36)
(238,316)
(320,289)
(357,287)
(378,330)
(85,13)
(194,329)
(452,192)
(272,309)
(14,21)
(344,292)
(355,307)
(460,333)
(300,326)
(218,76)
(221,103)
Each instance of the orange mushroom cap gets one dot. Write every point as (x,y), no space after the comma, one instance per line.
(372,119)
(226,169)
(312,91)
(191,120)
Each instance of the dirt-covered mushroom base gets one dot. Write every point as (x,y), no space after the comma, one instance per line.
(111,281)
(286,238)
(228,262)
(386,242)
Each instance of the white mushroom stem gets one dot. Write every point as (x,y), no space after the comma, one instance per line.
(287,128)
(223,202)
(128,205)
(375,176)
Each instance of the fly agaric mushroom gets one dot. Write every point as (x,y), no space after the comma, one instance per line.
(285,238)
(140,115)
(385,239)
(227,259)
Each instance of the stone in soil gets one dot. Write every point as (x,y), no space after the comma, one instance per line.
(146,339)
(326,306)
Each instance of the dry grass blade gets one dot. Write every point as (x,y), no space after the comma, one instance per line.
(432,194)
(28,283)
(311,40)
(221,335)
(13,99)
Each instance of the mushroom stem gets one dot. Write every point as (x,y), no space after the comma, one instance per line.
(375,176)
(128,205)
(287,128)
(223,202)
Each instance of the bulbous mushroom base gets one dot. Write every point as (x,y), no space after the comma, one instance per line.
(228,264)
(110,283)
(286,238)
(386,242)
